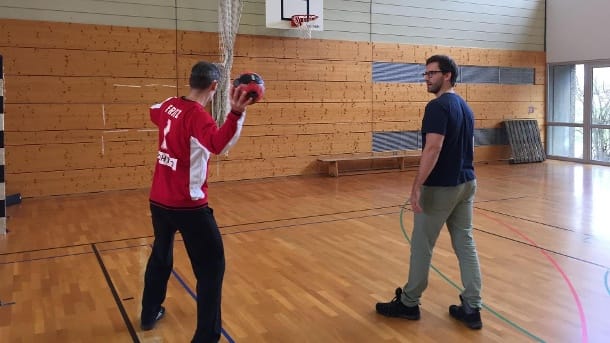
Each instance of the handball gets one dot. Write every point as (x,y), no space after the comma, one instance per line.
(251,83)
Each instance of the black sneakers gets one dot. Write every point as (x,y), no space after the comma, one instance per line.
(396,308)
(149,325)
(469,316)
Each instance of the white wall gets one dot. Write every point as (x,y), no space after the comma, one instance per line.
(498,24)
(577,30)
(138,13)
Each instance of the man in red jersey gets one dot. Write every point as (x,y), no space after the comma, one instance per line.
(188,136)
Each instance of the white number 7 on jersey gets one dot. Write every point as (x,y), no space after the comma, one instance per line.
(165,132)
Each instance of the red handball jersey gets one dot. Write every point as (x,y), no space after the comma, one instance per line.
(188,135)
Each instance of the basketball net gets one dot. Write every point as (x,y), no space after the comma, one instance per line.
(229,15)
(300,21)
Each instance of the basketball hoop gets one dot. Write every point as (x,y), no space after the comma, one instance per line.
(299,21)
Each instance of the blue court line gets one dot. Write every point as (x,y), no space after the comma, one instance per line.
(194,296)
(606,281)
(448,280)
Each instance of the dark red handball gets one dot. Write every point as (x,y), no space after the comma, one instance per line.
(251,83)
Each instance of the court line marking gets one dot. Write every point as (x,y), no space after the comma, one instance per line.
(194,296)
(535,222)
(6,303)
(223,226)
(284,226)
(312,216)
(74,245)
(48,257)
(231,225)
(448,280)
(545,249)
(581,312)
(93,245)
(278,227)
(115,295)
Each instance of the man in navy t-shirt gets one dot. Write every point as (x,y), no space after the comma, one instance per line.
(443,192)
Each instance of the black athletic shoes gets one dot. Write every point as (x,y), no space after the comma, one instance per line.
(466,314)
(149,324)
(396,308)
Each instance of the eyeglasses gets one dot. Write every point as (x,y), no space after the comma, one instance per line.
(431,73)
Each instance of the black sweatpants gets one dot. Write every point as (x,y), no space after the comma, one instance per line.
(205,249)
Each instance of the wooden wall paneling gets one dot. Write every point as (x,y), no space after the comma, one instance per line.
(483,57)
(491,153)
(540,75)
(39,117)
(398,110)
(393,126)
(320,99)
(422,52)
(87,90)
(391,116)
(397,116)
(401,92)
(273,69)
(146,136)
(339,142)
(257,147)
(330,144)
(261,168)
(301,145)
(304,129)
(332,50)
(198,43)
(59,123)
(101,154)
(487,123)
(80,181)
(20,138)
(52,158)
(518,59)
(129,116)
(266,113)
(354,71)
(405,53)
(310,91)
(138,90)
(505,109)
(365,166)
(394,52)
(398,107)
(489,92)
(63,62)
(55,90)
(308,49)
(56,35)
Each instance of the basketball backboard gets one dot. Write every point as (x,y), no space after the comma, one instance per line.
(280,13)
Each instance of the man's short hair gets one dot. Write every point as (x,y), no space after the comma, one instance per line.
(203,74)
(446,64)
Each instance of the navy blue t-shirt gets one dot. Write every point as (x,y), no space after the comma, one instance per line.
(450,116)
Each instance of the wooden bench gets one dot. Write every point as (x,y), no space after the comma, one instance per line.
(401,156)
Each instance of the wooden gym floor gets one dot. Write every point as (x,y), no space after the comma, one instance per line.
(308,258)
